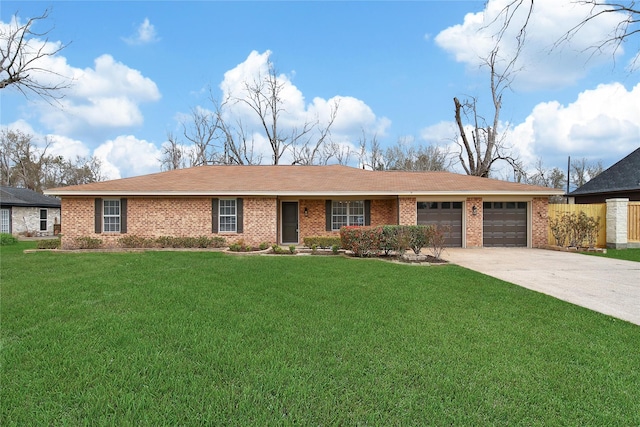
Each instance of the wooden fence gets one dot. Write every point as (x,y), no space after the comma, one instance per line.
(594,210)
(633,222)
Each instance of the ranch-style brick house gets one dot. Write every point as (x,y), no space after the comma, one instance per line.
(285,204)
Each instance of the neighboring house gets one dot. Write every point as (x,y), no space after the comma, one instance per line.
(622,180)
(284,204)
(26,212)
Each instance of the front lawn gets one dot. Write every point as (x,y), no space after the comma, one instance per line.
(201,338)
(632,254)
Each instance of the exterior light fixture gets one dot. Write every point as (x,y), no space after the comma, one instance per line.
(306,211)
(474,210)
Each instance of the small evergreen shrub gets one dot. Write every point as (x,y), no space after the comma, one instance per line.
(292,249)
(335,249)
(362,241)
(86,243)
(49,244)
(263,246)
(131,241)
(324,242)
(7,239)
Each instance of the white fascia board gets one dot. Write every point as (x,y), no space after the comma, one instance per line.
(63,193)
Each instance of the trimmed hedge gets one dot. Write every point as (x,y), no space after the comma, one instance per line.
(49,244)
(324,242)
(131,241)
(369,241)
(7,239)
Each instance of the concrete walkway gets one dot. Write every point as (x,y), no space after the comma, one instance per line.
(605,285)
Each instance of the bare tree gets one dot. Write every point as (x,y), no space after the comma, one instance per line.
(481,144)
(370,154)
(404,156)
(320,150)
(21,56)
(583,171)
(173,155)
(23,164)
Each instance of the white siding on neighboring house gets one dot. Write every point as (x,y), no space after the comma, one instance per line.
(29,220)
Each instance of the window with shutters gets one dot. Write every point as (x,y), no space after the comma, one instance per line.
(111,215)
(227,216)
(346,213)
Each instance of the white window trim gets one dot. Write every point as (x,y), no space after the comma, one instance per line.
(234,216)
(104,215)
(349,215)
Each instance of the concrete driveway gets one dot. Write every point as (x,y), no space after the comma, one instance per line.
(605,285)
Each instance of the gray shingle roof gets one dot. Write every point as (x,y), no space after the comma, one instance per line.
(11,196)
(622,176)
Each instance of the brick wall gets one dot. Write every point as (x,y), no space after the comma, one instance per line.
(474,222)
(260,220)
(182,217)
(384,212)
(539,221)
(408,211)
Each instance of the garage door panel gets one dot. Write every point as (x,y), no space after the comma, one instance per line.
(505,224)
(443,214)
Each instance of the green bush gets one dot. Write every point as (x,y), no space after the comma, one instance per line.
(362,241)
(86,243)
(190,242)
(7,239)
(419,236)
(131,241)
(263,246)
(292,249)
(324,242)
(49,244)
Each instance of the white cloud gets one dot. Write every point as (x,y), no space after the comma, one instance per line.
(601,124)
(145,34)
(353,116)
(127,156)
(106,96)
(541,64)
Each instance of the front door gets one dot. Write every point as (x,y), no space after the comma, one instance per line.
(289,222)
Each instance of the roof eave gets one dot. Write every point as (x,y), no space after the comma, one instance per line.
(466,193)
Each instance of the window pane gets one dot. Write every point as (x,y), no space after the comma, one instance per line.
(111,216)
(486,205)
(227,215)
(522,205)
(511,205)
(457,205)
(446,205)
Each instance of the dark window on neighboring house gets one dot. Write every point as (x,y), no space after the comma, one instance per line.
(43,220)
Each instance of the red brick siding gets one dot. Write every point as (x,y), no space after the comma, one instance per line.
(260,221)
(408,211)
(183,217)
(540,221)
(473,222)
(384,212)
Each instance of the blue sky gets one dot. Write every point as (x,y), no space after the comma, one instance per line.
(139,67)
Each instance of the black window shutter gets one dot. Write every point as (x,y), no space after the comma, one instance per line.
(239,216)
(98,216)
(367,212)
(123,216)
(327,214)
(214,215)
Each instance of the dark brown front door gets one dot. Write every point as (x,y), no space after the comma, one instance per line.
(289,222)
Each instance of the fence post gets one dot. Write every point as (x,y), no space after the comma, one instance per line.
(617,211)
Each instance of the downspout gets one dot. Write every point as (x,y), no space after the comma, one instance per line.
(398,210)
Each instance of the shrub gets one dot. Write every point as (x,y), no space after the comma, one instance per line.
(292,249)
(131,241)
(324,242)
(86,243)
(362,241)
(389,238)
(263,246)
(49,244)
(335,248)
(438,235)
(235,247)
(574,229)
(7,239)
(276,249)
(419,236)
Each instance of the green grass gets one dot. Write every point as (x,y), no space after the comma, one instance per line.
(632,254)
(201,338)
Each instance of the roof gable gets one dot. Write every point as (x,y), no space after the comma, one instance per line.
(622,176)
(12,196)
(298,180)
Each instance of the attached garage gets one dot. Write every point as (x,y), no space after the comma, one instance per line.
(443,214)
(504,224)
